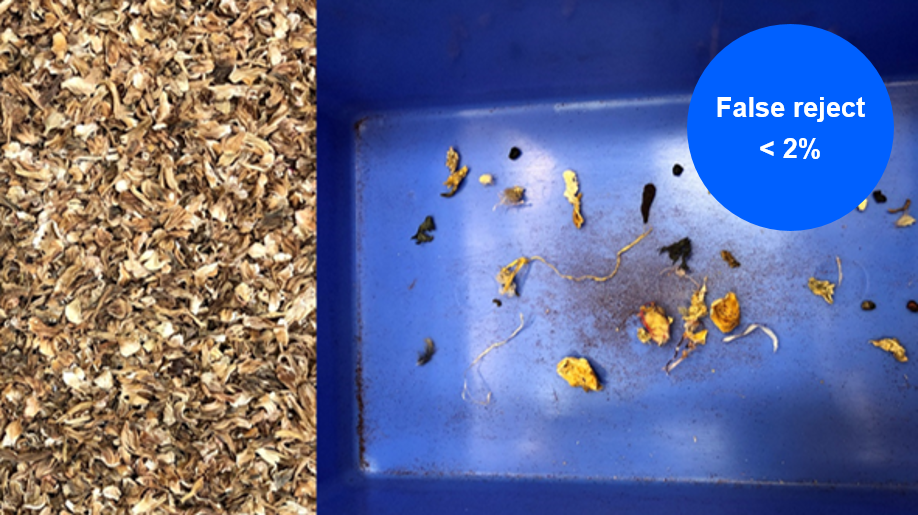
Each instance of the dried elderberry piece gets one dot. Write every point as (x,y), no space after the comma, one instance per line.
(682,249)
(912,306)
(728,257)
(515,153)
(426,355)
(650,191)
(677,169)
(868,305)
(426,226)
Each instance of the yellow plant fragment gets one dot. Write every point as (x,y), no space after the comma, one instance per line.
(455,175)
(486,179)
(725,313)
(905,220)
(862,206)
(699,338)
(824,289)
(578,372)
(656,324)
(571,189)
(643,335)
(893,346)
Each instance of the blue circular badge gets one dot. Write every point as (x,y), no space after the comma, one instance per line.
(790,127)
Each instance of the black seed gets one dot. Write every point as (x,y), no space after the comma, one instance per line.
(868,305)
(515,153)
(912,306)
(650,191)
(879,197)
(677,169)
(497,302)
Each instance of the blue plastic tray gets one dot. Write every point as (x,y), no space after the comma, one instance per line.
(827,423)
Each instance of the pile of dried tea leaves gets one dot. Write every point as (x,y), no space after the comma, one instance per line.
(157,229)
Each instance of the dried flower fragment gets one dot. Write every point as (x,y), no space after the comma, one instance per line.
(824,289)
(725,313)
(74,312)
(892,346)
(693,334)
(486,179)
(571,193)
(656,324)
(771,334)
(578,372)
(456,175)
(862,206)
(513,196)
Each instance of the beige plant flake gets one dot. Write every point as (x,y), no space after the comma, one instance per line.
(572,194)
(486,179)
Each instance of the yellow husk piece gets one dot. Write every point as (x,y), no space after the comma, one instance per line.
(862,206)
(824,289)
(578,372)
(725,313)
(486,179)
(893,346)
(455,176)
(507,274)
(571,188)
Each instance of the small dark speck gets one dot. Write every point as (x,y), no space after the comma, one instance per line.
(879,197)
(497,302)
(515,153)
(912,306)
(677,169)
(868,305)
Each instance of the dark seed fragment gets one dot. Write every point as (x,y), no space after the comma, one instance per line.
(868,305)
(912,306)
(879,197)
(677,169)
(515,153)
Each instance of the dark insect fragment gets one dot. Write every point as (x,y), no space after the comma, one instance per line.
(879,197)
(515,153)
(426,355)
(497,302)
(728,257)
(650,191)
(912,306)
(868,305)
(682,249)
(426,226)
(677,169)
